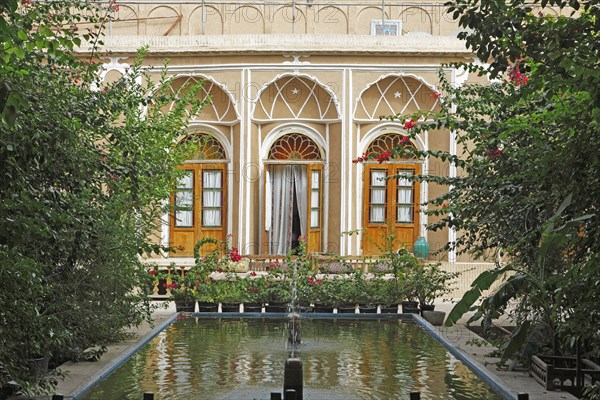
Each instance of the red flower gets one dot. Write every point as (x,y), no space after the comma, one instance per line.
(253,273)
(405,139)
(113,6)
(362,158)
(384,156)
(436,95)
(319,281)
(516,77)
(197,283)
(495,153)
(234,255)
(153,272)
(409,124)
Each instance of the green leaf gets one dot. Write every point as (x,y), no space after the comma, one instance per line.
(516,340)
(22,35)
(483,282)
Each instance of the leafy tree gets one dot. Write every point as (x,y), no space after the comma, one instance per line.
(84,173)
(528,186)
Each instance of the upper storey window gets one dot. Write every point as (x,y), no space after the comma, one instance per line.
(386,27)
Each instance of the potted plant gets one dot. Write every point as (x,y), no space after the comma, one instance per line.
(231,293)
(182,283)
(277,295)
(384,292)
(254,287)
(325,294)
(431,282)
(349,295)
(402,264)
(365,292)
(205,296)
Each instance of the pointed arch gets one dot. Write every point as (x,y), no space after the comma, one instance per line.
(295,97)
(222,108)
(394,94)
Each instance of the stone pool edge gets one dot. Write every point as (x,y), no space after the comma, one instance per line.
(495,382)
(492,380)
(116,362)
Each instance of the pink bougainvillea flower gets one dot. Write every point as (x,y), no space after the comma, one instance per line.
(495,153)
(405,139)
(436,95)
(384,156)
(234,255)
(253,273)
(153,272)
(362,158)
(515,76)
(409,124)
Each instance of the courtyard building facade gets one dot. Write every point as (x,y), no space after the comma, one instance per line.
(298,91)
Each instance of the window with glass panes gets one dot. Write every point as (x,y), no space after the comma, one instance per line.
(199,198)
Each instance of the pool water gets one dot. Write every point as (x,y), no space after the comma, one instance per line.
(208,358)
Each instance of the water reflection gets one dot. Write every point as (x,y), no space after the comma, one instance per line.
(243,359)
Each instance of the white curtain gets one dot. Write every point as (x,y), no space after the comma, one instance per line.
(211,197)
(279,202)
(314,200)
(301,182)
(405,198)
(378,196)
(184,201)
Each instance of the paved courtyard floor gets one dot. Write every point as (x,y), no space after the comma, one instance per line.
(81,374)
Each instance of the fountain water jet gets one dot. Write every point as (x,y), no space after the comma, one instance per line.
(293,379)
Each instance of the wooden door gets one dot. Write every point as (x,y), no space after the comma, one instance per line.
(315,209)
(199,208)
(390,207)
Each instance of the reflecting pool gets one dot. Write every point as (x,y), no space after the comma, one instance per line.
(199,358)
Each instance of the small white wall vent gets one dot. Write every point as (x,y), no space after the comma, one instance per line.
(392,27)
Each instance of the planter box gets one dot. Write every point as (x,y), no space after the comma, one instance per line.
(410,307)
(253,307)
(320,308)
(207,307)
(560,373)
(230,307)
(276,307)
(346,309)
(389,309)
(367,309)
(426,307)
(185,306)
